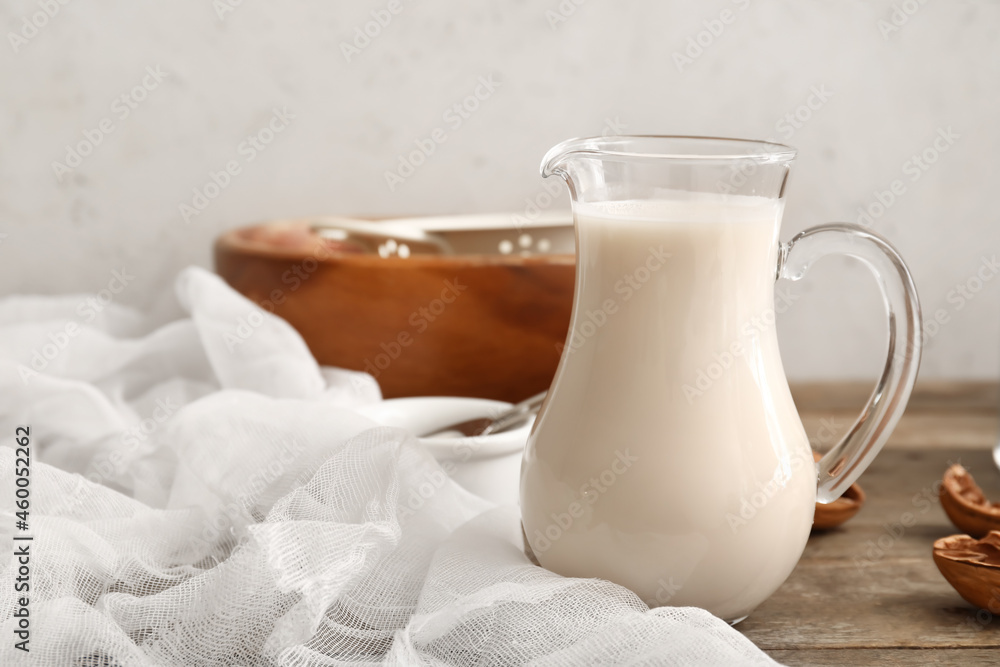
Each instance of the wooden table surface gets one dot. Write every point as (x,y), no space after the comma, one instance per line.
(868,593)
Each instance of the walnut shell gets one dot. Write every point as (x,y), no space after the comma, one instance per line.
(964,503)
(972,567)
(840,510)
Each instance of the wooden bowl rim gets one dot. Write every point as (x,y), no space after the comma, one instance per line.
(237,241)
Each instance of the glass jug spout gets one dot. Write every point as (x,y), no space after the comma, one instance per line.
(557,159)
(640,167)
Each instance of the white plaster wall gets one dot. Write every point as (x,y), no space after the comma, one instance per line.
(608,62)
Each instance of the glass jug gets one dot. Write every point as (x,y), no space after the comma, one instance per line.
(668,456)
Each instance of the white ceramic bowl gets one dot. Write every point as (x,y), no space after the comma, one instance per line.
(489,466)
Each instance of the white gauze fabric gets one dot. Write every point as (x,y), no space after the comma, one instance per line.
(203,494)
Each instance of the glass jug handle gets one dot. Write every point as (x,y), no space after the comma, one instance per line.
(843,464)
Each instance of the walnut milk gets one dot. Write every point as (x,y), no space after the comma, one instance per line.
(669,456)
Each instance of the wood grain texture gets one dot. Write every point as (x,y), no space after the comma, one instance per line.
(940,414)
(468,325)
(869,592)
(918,657)
(929,396)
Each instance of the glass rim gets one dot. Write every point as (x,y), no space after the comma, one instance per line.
(674,147)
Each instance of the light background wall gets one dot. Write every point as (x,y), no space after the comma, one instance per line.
(607,62)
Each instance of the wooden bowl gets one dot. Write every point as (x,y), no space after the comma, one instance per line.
(480,325)
(966,505)
(972,568)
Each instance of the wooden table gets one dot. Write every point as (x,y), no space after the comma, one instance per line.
(869,593)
